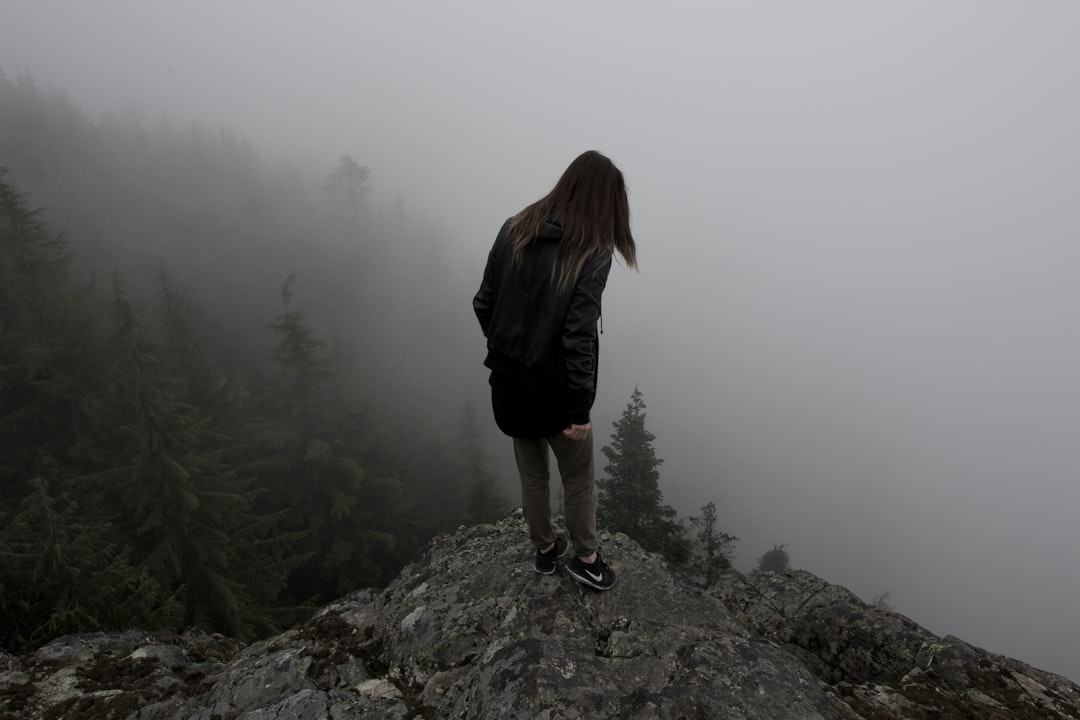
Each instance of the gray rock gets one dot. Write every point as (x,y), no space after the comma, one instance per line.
(470,631)
(476,633)
(883,665)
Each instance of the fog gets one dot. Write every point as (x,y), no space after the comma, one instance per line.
(855,320)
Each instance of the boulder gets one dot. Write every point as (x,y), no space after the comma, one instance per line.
(883,665)
(468,630)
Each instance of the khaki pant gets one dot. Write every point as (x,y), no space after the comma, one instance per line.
(575,459)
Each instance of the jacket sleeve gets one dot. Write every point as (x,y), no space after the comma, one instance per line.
(484,300)
(580,341)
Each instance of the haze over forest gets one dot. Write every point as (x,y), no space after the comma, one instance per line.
(855,321)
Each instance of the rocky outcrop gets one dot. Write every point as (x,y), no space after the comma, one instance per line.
(884,666)
(469,631)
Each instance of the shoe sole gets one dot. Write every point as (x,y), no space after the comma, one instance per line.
(588,581)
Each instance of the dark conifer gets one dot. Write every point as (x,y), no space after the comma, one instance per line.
(62,573)
(177,497)
(42,344)
(629,497)
(710,548)
(775,560)
(311,434)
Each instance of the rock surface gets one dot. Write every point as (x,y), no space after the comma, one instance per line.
(884,666)
(470,631)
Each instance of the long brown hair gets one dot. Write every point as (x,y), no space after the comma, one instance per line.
(589,202)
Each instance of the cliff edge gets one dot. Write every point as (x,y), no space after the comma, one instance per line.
(470,631)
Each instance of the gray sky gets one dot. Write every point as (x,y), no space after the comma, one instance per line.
(856,320)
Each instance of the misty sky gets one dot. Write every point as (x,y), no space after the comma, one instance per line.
(858,224)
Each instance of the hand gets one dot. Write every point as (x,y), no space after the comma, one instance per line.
(578,432)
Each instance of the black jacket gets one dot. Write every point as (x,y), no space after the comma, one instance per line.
(543,339)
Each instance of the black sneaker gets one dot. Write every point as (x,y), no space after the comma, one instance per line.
(545,562)
(596,575)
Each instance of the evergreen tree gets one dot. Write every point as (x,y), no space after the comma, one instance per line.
(629,497)
(62,574)
(179,499)
(310,441)
(53,559)
(347,183)
(43,345)
(711,549)
(775,560)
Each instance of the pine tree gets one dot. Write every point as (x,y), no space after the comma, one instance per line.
(711,549)
(43,345)
(261,555)
(311,441)
(178,498)
(56,564)
(776,560)
(62,573)
(347,183)
(629,497)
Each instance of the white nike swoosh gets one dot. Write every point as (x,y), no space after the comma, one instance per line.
(597,578)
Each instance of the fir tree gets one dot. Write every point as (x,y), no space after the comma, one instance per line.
(52,556)
(312,437)
(347,183)
(776,560)
(179,499)
(62,573)
(260,555)
(629,497)
(44,346)
(710,549)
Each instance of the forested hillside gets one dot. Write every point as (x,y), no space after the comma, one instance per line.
(216,402)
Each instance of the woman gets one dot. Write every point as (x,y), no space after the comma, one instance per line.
(538,307)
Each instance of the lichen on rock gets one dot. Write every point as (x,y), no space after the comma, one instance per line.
(469,631)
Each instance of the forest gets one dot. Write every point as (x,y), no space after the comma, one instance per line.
(219,404)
